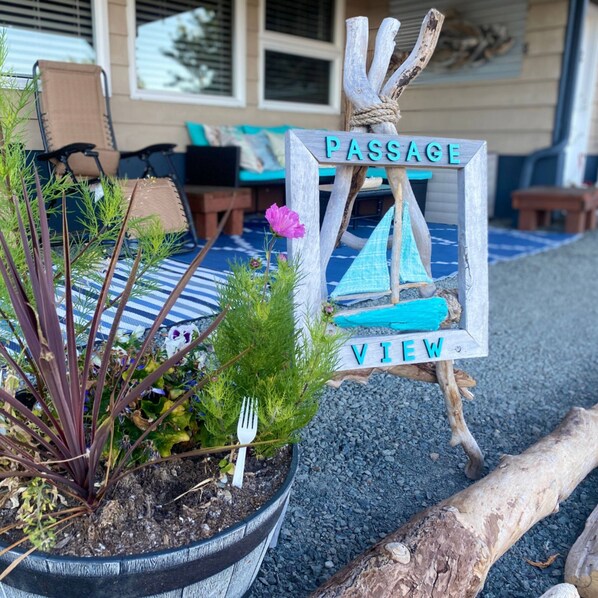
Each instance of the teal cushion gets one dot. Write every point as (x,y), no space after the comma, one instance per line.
(278,175)
(261,146)
(197,133)
(253,129)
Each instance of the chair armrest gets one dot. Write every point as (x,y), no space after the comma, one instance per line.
(212,166)
(146,152)
(67,150)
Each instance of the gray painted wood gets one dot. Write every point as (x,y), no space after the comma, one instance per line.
(34,561)
(245,571)
(473,249)
(471,340)
(315,142)
(214,587)
(457,344)
(153,562)
(83,569)
(228,539)
(302,195)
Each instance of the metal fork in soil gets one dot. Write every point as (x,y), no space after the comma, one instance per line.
(246,431)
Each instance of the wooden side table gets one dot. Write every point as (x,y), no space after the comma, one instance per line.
(536,203)
(208,202)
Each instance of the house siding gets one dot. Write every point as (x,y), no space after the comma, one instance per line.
(142,122)
(515,116)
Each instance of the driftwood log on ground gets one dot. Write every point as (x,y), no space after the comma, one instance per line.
(563,590)
(447,550)
(581,568)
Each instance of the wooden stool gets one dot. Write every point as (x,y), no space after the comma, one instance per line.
(207,202)
(536,203)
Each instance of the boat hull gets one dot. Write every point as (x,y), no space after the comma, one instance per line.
(418,315)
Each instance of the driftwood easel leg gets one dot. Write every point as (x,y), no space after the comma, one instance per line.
(460,432)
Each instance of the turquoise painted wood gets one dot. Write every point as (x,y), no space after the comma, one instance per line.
(420,314)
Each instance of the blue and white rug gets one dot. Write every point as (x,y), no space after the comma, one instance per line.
(200,297)
(503,245)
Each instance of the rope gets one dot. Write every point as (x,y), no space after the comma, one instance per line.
(385,112)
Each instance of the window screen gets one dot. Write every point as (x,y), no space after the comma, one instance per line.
(47,29)
(292,78)
(312,19)
(185,46)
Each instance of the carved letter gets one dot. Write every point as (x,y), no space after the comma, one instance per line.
(360,355)
(332,145)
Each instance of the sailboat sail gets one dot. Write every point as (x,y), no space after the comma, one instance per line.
(369,271)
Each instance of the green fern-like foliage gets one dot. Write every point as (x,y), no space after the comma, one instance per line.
(283,368)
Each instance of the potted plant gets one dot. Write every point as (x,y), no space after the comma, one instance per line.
(106,416)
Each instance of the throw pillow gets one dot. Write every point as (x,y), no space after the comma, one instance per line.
(254,129)
(261,146)
(249,159)
(277,144)
(196,133)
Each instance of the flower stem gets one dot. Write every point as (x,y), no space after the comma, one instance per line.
(269,249)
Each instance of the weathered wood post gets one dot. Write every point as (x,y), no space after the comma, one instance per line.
(373,106)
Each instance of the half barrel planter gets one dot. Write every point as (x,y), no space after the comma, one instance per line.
(223,566)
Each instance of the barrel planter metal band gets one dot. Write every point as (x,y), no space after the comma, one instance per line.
(222,566)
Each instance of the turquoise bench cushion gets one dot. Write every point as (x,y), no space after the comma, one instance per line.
(277,176)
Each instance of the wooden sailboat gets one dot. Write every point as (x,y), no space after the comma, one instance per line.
(369,276)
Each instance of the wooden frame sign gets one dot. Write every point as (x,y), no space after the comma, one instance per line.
(306,150)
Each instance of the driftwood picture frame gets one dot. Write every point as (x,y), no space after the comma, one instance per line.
(306,150)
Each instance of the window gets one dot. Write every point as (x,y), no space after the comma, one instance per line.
(49,29)
(301,55)
(185,50)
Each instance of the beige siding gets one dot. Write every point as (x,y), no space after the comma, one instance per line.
(515,116)
(141,122)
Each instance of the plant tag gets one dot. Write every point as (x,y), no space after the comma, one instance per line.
(98,192)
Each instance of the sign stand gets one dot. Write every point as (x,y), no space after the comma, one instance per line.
(373,140)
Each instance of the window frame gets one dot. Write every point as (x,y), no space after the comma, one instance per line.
(101,42)
(302,46)
(306,151)
(238,69)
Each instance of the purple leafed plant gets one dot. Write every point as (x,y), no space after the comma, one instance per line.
(63,439)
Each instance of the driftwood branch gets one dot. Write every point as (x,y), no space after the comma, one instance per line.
(422,372)
(581,568)
(363,92)
(447,550)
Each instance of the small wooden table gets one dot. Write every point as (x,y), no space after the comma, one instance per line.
(536,203)
(208,202)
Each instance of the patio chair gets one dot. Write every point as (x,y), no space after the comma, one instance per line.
(73,110)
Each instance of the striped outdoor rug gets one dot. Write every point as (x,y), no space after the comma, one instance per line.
(200,297)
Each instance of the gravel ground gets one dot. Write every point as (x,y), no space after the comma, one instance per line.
(366,466)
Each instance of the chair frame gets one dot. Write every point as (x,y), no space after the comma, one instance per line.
(62,154)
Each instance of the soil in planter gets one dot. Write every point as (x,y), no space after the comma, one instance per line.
(143,514)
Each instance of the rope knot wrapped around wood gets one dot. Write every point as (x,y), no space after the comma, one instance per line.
(387,111)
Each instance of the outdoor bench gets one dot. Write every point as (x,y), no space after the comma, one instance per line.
(210,166)
(536,205)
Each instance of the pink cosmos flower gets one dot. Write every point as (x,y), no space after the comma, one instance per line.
(282,257)
(284,222)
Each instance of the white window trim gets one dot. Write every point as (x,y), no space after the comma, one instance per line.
(237,100)
(101,37)
(301,46)
(101,42)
